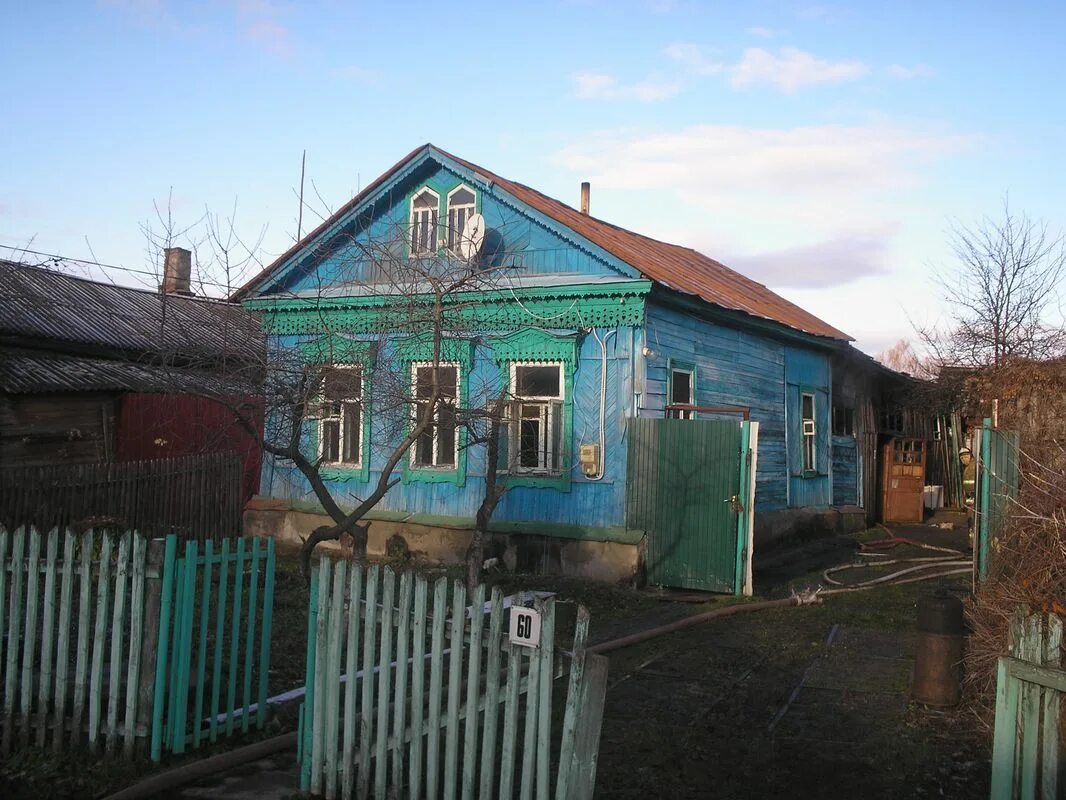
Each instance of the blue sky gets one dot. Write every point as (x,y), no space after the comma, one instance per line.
(823,149)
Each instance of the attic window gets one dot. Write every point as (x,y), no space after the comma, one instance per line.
(424,206)
(461,206)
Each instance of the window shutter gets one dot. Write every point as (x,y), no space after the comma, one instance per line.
(795,430)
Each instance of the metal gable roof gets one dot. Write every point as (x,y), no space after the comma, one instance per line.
(681,269)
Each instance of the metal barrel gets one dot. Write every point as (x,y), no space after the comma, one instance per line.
(938,660)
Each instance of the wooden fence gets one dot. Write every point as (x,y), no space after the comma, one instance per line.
(388,711)
(193,496)
(98,640)
(1029,689)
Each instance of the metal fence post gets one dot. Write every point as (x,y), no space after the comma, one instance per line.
(153,582)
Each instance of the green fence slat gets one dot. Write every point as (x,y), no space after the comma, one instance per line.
(529,737)
(455,673)
(235,635)
(266,634)
(509,739)
(418,680)
(47,663)
(29,633)
(332,688)
(492,694)
(133,668)
(220,632)
(318,708)
(1030,649)
(473,692)
(366,705)
(436,650)
(310,666)
(546,657)
(81,666)
(249,641)
(14,623)
(103,596)
(572,712)
(1050,754)
(183,649)
(177,635)
(118,619)
(201,650)
(66,612)
(351,685)
(388,612)
(165,610)
(399,700)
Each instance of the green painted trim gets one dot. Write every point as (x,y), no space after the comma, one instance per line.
(420,348)
(341,473)
(334,348)
(742,517)
(578,291)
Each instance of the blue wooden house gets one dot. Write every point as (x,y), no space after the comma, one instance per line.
(594,327)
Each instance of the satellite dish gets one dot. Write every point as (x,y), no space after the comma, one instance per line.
(473,237)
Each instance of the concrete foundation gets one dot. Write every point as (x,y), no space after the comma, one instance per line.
(797,524)
(610,562)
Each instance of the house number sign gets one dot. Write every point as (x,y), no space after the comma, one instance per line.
(525,627)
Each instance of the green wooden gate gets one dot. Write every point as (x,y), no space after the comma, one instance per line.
(997,486)
(690,486)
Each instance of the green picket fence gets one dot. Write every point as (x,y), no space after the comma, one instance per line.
(1029,688)
(107,640)
(412,693)
(211,660)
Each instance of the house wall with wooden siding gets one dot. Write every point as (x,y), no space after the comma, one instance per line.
(808,371)
(56,428)
(845,471)
(353,252)
(733,368)
(591,504)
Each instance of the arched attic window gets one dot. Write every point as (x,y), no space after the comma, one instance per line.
(424,207)
(461,204)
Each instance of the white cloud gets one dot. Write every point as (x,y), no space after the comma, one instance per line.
(693,58)
(600,86)
(791,69)
(714,161)
(917,71)
(830,262)
(764,33)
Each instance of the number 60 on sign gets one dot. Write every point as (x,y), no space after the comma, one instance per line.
(525,626)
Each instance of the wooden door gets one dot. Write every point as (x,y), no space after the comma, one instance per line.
(904,480)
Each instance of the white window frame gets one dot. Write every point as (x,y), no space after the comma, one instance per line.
(339,419)
(682,413)
(810,432)
(434,223)
(415,365)
(455,235)
(547,430)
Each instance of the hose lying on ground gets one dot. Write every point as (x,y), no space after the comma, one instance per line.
(179,776)
(956,563)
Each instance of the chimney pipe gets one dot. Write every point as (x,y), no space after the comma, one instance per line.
(177,271)
(586,188)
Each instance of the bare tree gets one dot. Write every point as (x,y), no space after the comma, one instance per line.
(902,358)
(1001,294)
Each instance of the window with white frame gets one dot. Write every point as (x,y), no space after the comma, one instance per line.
(461,204)
(807,409)
(437,447)
(340,415)
(424,208)
(682,393)
(536,437)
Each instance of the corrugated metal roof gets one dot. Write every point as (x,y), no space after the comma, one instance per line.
(32,371)
(39,304)
(679,268)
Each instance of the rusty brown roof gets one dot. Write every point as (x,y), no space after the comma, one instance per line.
(673,266)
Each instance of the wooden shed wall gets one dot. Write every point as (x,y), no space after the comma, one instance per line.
(50,428)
